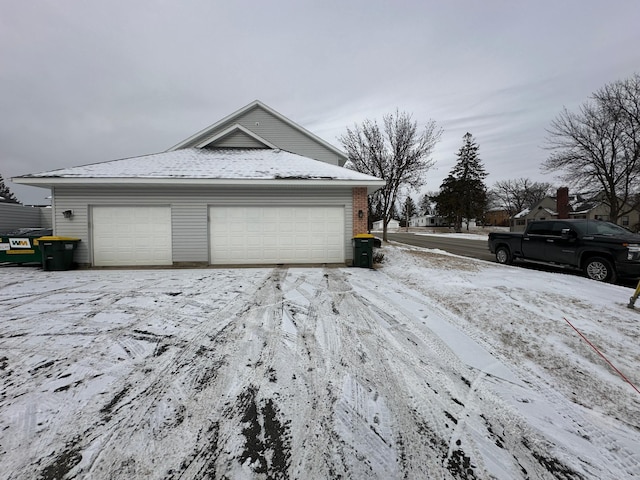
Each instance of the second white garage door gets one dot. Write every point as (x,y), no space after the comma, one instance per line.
(247,235)
(125,236)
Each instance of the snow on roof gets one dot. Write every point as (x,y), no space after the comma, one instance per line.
(228,164)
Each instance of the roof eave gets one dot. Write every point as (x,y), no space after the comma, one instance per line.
(372,185)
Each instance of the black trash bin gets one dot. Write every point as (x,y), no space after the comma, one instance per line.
(57,252)
(363,250)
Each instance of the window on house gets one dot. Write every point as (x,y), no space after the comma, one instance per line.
(625,221)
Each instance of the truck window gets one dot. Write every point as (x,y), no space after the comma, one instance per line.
(556,229)
(539,228)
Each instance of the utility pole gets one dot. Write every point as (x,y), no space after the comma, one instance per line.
(406,209)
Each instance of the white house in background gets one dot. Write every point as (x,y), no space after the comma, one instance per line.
(393,223)
(427,221)
(253,188)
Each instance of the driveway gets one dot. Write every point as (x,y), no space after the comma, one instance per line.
(293,373)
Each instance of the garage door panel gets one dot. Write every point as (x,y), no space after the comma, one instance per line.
(133,235)
(276,235)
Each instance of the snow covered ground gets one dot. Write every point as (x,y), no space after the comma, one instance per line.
(467,236)
(431,366)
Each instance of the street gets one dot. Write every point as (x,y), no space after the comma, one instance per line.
(458,246)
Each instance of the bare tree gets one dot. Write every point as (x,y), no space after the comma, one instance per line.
(518,194)
(598,148)
(397,153)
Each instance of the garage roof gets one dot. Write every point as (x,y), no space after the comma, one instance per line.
(207,166)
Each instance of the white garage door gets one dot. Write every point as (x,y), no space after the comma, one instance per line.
(131,236)
(246,235)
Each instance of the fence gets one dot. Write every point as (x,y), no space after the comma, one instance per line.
(14,216)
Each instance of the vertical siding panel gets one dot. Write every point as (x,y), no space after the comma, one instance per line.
(45,217)
(189,232)
(14,216)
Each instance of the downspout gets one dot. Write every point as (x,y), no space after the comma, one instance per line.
(53,209)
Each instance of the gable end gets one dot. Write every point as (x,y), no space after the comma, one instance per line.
(270,127)
(235,136)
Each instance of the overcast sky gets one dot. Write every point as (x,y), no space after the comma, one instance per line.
(83,81)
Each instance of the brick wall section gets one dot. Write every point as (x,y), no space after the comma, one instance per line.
(562,206)
(360,203)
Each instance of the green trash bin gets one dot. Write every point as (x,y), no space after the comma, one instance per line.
(57,252)
(363,250)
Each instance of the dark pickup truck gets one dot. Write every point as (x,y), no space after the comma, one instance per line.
(603,250)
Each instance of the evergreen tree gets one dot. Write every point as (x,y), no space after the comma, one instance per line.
(410,208)
(423,206)
(5,193)
(463,194)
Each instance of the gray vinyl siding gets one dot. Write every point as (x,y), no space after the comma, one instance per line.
(238,140)
(14,216)
(189,231)
(45,217)
(189,211)
(279,133)
(284,136)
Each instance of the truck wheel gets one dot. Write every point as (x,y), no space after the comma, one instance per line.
(600,269)
(503,255)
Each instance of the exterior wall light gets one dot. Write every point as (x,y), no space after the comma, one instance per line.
(360,214)
(67,213)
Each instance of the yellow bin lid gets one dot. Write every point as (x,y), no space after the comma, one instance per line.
(363,235)
(60,239)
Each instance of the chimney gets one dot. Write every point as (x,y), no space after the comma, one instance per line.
(562,205)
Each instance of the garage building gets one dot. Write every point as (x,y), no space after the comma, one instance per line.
(252,189)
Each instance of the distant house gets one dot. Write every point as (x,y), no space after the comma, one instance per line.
(393,223)
(427,221)
(582,205)
(498,216)
(429,218)
(253,188)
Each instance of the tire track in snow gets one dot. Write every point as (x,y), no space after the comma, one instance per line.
(529,449)
(251,433)
(382,360)
(155,388)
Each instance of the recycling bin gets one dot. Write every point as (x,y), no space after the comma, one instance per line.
(363,250)
(57,252)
